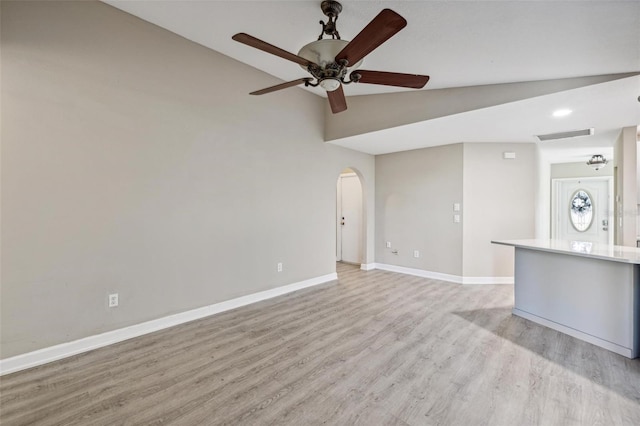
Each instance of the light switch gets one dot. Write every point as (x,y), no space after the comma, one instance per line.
(456,218)
(456,207)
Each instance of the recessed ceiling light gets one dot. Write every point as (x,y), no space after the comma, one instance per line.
(561,112)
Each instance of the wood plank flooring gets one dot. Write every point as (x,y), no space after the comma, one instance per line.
(373,348)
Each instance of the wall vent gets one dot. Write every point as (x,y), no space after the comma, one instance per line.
(563,135)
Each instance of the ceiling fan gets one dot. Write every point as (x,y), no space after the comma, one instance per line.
(330,60)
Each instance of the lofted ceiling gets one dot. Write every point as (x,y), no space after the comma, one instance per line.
(458,44)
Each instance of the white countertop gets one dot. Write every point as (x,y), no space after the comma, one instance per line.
(579,248)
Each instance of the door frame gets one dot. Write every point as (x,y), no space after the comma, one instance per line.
(555,211)
(339,217)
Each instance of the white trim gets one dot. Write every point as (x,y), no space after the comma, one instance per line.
(63,350)
(629,353)
(420,273)
(439,275)
(368,266)
(487,280)
(339,219)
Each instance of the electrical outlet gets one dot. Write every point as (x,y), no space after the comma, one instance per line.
(456,218)
(113,300)
(416,254)
(388,244)
(279,266)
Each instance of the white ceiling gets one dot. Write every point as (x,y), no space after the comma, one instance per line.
(457,43)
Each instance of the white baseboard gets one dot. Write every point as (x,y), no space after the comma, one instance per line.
(487,280)
(64,350)
(368,266)
(440,276)
(420,273)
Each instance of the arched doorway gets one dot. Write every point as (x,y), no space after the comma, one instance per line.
(349,218)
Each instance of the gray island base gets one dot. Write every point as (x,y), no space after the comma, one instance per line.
(586,290)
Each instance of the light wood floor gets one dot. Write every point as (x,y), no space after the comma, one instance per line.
(374,348)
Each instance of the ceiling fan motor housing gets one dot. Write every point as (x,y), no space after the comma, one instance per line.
(321,54)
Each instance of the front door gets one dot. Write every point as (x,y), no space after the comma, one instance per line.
(582,210)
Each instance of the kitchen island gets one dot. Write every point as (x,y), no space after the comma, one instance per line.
(587,290)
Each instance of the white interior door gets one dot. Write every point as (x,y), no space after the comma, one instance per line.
(582,210)
(349,219)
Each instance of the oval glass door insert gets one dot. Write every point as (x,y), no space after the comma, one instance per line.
(581,210)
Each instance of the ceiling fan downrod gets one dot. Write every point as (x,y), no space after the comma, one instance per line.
(332,74)
(331,9)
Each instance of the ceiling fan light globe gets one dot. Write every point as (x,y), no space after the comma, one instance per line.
(323,52)
(330,84)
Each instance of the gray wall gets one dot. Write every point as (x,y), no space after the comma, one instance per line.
(415,193)
(499,198)
(133,161)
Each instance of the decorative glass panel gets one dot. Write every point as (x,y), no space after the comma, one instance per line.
(581,210)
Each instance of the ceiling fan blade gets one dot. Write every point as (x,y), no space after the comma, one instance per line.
(281,86)
(379,30)
(337,101)
(270,48)
(414,81)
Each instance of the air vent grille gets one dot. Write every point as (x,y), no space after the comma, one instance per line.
(564,135)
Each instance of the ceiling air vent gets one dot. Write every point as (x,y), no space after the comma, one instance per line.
(563,135)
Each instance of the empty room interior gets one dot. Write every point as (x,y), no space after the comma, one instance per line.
(320,212)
